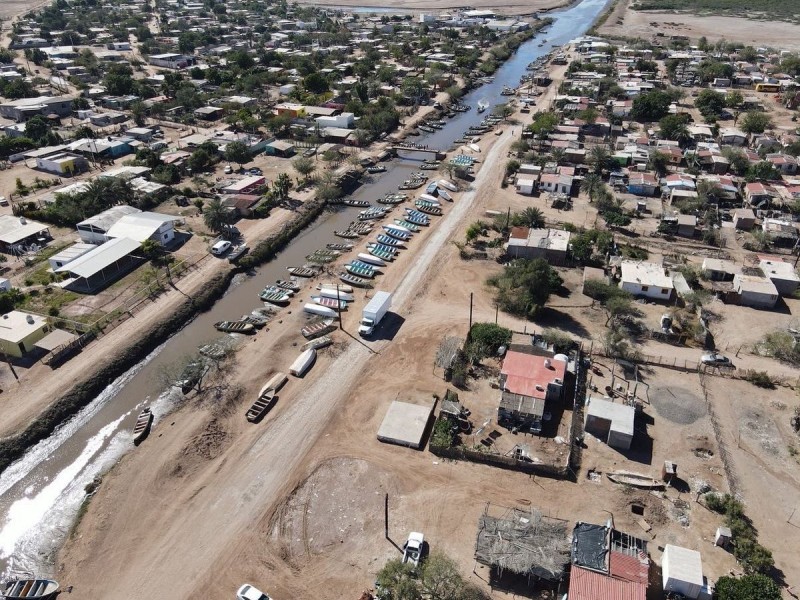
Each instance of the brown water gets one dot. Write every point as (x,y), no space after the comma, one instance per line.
(41,493)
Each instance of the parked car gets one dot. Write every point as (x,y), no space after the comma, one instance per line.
(228,169)
(715,358)
(256,171)
(220,247)
(249,592)
(412,549)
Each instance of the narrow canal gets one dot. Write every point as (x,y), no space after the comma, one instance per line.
(41,493)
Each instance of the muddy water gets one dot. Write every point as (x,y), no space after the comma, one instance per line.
(41,493)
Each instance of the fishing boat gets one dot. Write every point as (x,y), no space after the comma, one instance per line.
(355,280)
(277,289)
(347,234)
(388,240)
(448,184)
(317,343)
(329,302)
(303,362)
(320,258)
(257,321)
(339,247)
(371,260)
(140,429)
(265,398)
(302,271)
(507,91)
(408,225)
(361,228)
(336,286)
(317,329)
(411,184)
(319,310)
(40,589)
(288,285)
(336,295)
(234,327)
(360,271)
(481,107)
(636,480)
(237,252)
(381,254)
(397,233)
(426,129)
(392,199)
(430,188)
(369,215)
(392,250)
(445,194)
(418,218)
(430,209)
(353,202)
(429,199)
(274,296)
(376,169)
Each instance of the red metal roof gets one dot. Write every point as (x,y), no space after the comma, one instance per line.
(525,371)
(588,585)
(630,568)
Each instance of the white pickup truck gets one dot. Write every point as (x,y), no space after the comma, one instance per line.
(412,549)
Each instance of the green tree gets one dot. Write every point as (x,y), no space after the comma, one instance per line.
(544,123)
(710,104)
(488,337)
(530,217)
(315,83)
(658,162)
(650,106)
(282,185)
(151,250)
(119,80)
(216,216)
(733,99)
(592,184)
(398,581)
(747,587)
(238,152)
(673,127)
(37,128)
(305,166)
(737,159)
(762,171)
(524,286)
(755,122)
(600,159)
(502,110)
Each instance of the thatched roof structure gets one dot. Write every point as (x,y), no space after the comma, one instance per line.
(525,543)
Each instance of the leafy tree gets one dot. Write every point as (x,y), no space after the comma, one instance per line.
(739,163)
(237,152)
(762,171)
(544,123)
(747,587)
(710,104)
(673,127)
(9,146)
(303,165)
(530,217)
(616,218)
(524,286)
(283,184)
(199,161)
(733,99)
(216,216)
(600,159)
(474,231)
(489,337)
(315,83)
(37,128)
(658,162)
(755,122)
(650,106)
(502,110)
(119,80)
(151,250)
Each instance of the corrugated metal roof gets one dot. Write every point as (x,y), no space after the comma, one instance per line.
(588,585)
(631,568)
(524,372)
(14,229)
(101,257)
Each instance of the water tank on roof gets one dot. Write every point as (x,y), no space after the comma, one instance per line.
(547,363)
(29,319)
(22,221)
(561,357)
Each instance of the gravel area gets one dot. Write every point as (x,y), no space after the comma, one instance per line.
(677,404)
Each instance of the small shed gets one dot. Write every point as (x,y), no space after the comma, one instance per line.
(744,219)
(19,332)
(610,422)
(682,571)
(723,537)
(405,424)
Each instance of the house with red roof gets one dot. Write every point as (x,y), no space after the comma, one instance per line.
(527,384)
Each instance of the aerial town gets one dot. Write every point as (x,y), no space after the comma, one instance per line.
(423,302)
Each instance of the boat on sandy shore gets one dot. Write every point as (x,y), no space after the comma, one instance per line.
(318,329)
(388,240)
(329,302)
(380,253)
(636,480)
(397,232)
(339,247)
(302,271)
(409,226)
(288,285)
(360,270)
(30,589)
(337,294)
(234,327)
(318,343)
(303,362)
(354,202)
(347,234)
(141,429)
(444,194)
(355,280)
(428,208)
(275,295)
(265,398)
(237,252)
(335,286)
(371,260)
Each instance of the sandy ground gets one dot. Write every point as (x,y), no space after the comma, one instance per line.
(508,7)
(646,24)
(295,504)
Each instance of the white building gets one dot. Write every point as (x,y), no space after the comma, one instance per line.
(19,331)
(610,422)
(781,274)
(343,121)
(758,292)
(94,229)
(145,226)
(682,571)
(645,279)
(69,254)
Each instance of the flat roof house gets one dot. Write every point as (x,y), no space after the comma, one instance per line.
(757,292)
(781,274)
(15,231)
(145,226)
(682,571)
(19,331)
(645,279)
(610,422)
(64,163)
(527,383)
(550,244)
(25,108)
(94,230)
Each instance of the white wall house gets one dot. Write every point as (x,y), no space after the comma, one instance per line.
(343,121)
(646,279)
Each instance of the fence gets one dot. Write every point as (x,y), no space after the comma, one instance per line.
(730,474)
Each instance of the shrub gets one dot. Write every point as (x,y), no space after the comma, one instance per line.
(489,337)
(524,286)
(760,379)
(560,341)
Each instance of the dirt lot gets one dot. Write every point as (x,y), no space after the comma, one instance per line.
(646,24)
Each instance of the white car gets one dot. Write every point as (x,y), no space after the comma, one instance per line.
(248,592)
(715,358)
(412,549)
(220,248)
(228,169)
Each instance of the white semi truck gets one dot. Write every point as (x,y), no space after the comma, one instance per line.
(374,312)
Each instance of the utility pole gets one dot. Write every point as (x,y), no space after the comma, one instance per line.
(470,311)
(339,311)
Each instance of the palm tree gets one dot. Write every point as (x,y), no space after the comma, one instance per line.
(558,155)
(592,184)
(599,158)
(533,217)
(216,216)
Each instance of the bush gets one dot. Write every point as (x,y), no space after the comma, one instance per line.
(489,337)
(760,379)
(602,291)
(442,436)
(747,587)
(560,341)
(525,286)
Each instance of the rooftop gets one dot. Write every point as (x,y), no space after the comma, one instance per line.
(106,219)
(405,424)
(16,325)
(528,374)
(15,229)
(589,585)
(139,226)
(101,257)
(645,273)
(620,415)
